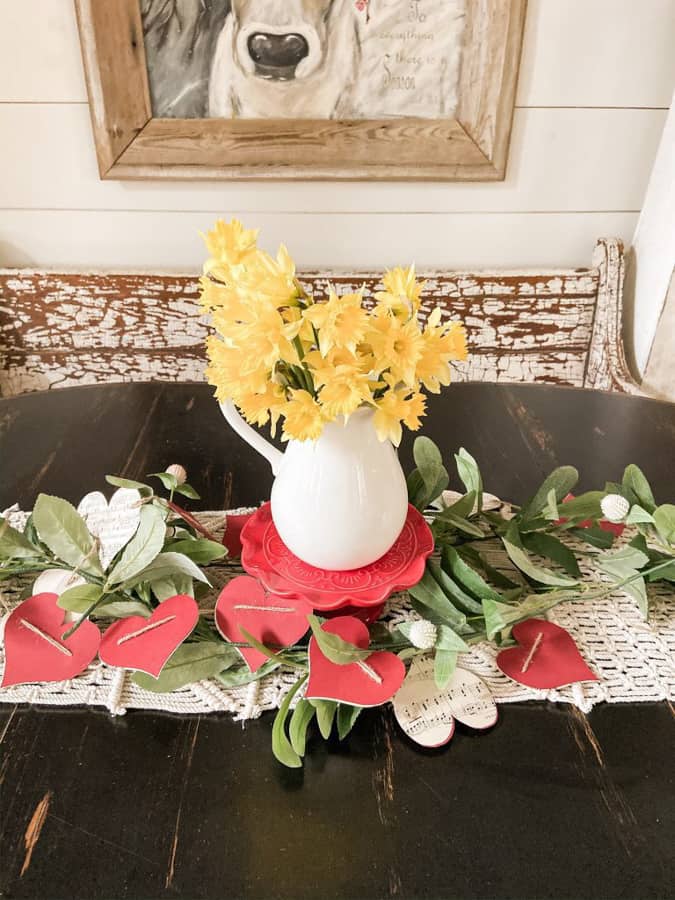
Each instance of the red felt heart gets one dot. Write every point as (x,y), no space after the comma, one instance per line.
(146,644)
(367,683)
(547,656)
(274,621)
(233,527)
(35,649)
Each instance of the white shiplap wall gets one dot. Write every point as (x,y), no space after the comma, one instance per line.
(596,79)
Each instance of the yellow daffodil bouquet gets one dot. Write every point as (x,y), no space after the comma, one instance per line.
(280,353)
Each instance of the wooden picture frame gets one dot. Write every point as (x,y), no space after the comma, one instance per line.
(132,144)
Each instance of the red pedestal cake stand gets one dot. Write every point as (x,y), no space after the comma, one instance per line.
(362,592)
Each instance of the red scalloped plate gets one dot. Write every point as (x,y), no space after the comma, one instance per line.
(265,556)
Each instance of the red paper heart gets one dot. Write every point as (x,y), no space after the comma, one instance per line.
(274,621)
(367,683)
(33,634)
(146,644)
(547,656)
(232,537)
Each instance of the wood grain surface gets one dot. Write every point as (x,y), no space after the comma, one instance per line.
(131,144)
(549,803)
(560,327)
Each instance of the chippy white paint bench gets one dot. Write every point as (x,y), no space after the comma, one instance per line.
(560,327)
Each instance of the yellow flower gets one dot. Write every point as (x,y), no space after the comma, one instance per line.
(226,371)
(402,292)
(303,417)
(259,408)
(343,392)
(340,321)
(441,343)
(266,338)
(396,345)
(229,244)
(396,406)
(265,280)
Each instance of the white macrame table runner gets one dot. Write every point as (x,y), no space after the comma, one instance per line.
(634,659)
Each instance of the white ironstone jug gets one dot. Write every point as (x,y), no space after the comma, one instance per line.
(338,502)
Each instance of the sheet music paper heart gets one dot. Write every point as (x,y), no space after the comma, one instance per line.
(114,523)
(35,649)
(427,714)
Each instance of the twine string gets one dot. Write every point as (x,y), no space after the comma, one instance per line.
(146,628)
(46,637)
(370,672)
(530,655)
(279,609)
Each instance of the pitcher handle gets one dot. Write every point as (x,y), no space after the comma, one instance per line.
(251,436)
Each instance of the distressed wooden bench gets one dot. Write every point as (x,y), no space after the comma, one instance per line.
(62,329)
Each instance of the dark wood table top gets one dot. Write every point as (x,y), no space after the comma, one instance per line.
(550,803)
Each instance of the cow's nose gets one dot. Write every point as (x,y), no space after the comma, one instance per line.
(277,55)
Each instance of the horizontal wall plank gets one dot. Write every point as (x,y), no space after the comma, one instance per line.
(561,160)
(598,53)
(40,52)
(575,53)
(170,240)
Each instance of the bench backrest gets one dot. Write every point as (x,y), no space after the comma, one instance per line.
(62,329)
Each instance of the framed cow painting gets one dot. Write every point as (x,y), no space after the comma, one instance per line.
(350,89)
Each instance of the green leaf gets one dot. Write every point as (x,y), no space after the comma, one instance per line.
(64,531)
(449,518)
(121,609)
(500,616)
(281,746)
(325,715)
(550,510)
(430,466)
(664,519)
(445,663)
(163,588)
(186,490)
(78,599)
(449,640)
(548,545)
(453,564)
(187,664)
(243,675)
(143,547)
(14,544)
(455,594)
(346,718)
(334,647)
(417,492)
(254,642)
(634,481)
(463,507)
(522,561)
(638,515)
(596,537)
(561,481)
(166,565)
(200,551)
(431,602)
(585,506)
(143,489)
(169,481)
(469,473)
(624,560)
(297,729)
(469,554)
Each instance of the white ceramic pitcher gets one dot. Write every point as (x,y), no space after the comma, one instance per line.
(338,502)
